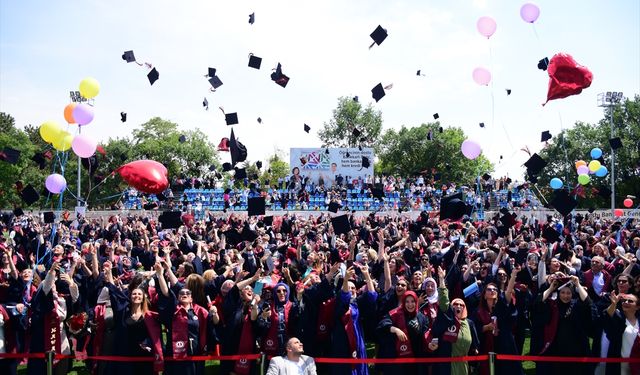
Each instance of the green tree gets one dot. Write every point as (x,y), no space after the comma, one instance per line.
(347,116)
(576,143)
(409,151)
(276,168)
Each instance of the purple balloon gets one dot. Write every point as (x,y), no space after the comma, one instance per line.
(529,12)
(583,169)
(55,183)
(482,76)
(84,146)
(83,114)
(470,149)
(486,26)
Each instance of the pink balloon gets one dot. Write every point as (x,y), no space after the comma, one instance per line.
(55,183)
(486,26)
(628,203)
(583,169)
(482,76)
(529,12)
(618,212)
(84,146)
(83,114)
(470,149)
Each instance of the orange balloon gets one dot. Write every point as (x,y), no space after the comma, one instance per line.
(580,162)
(68,113)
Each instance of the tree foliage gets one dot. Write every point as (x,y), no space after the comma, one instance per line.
(409,152)
(576,143)
(347,116)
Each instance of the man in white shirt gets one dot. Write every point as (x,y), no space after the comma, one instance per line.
(294,363)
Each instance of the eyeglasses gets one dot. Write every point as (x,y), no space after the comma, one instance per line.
(401,284)
(492,289)
(281,291)
(184,293)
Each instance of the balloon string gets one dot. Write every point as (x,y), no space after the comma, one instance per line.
(564,148)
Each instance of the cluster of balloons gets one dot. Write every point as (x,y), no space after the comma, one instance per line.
(584,170)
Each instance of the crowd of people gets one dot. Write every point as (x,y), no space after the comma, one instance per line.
(373,286)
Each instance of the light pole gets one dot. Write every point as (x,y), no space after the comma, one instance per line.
(610,100)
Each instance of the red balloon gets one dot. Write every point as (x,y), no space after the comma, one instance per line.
(618,212)
(628,202)
(147,176)
(566,77)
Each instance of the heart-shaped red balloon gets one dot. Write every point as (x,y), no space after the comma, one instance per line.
(566,77)
(147,176)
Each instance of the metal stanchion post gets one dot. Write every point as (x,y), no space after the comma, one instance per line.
(49,359)
(492,363)
(263,357)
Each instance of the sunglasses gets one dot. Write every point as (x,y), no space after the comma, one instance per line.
(281,291)
(492,289)
(401,284)
(184,293)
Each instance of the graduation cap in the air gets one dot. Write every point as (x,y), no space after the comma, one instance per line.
(259,164)
(430,135)
(615,143)
(231,118)
(543,64)
(377,193)
(278,77)
(49,217)
(238,150)
(128,56)
(254,61)
(378,35)
(482,124)
(419,73)
(18,211)
(535,164)
(341,224)
(39,159)
(255,206)
(356,99)
(29,195)
(307,128)
(161,197)
(248,234)
(486,177)
(215,82)
(365,162)
(182,139)
(123,117)
(545,136)
(507,220)
(268,220)
(170,219)
(334,207)
(563,202)
(378,92)
(240,173)
(551,235)
(508,92)
(356,132)
(259,120)
(436,116)
(440,129)
(226,167)
(10,155)
(153,76)
(252,18)
(205,104)
(212,168)
(452,207)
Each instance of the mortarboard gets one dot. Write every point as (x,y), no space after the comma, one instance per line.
(248,234)
(508,92)
(226,167)
(452,207)
(232,236)
(615,143)
(356,133)
(535,164)
(218,176)
(10,155)
(378,92)
(205,104)
(161,197)
(267,220)
(259,120)
(231,118)
(563,202)
(38,158)
(211,72)
(482,124)
(128,56)
(365,162)
(153,76)
(486,177)
(341,224)
(259,164)
(215,82)
(123,117)
(252,18)
(545,136)
(378,35)
(278,77)
(170,219)
(334,207)
(255,206)
(18,211)
(254,61)
(29,195)
(430,135)
(182,139)
(306,128)
(240,173)
(49,217)
(212,168)
(377,193)
(551,235)
(440,129)
(436,116)
(356,99)
(238,150)
(591,210)
(543,64)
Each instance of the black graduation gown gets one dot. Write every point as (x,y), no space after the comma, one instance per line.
(614,328)
(229,334)
(387,345)
(307,329)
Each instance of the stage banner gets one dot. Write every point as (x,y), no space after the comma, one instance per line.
(316,163)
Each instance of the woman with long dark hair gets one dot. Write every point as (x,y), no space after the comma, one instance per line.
(622,326)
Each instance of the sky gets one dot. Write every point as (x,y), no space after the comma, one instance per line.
(47,48)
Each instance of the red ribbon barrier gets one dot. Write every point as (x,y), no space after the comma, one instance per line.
(538,358)
(401,361)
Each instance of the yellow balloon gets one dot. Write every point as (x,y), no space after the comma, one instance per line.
(594,165)
(50,130)
(63,142)
(89,87)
